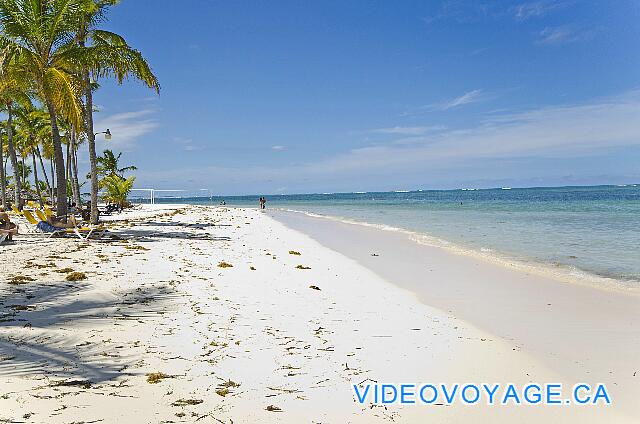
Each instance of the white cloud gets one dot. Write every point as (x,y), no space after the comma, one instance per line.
(187,144)
(407,130)
(278,148)
(562,34)
(557,133)
(551,131)
(126,127)
(536,9)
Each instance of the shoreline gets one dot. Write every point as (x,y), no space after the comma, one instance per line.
(560,324)
(232,343)
(563,273)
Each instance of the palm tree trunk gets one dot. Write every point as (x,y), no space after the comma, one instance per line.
(61,182)
(74,170)
(44,170)
(91,138)
(35,179)
(14,159)
(53,182)
(3,181)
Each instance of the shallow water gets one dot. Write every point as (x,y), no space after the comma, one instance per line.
(581,229)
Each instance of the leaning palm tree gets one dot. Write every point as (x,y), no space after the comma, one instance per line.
(37,43)
(108,55)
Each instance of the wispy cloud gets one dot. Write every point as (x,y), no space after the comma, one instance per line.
(187,144)
(557,135)
(278,148)
(468,97)
(408,130)
(536,9)
(127,127)
(562,34)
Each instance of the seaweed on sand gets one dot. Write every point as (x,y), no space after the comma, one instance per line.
(20,279)
(293,252)
(185,402)
(303,267)
(156,377)
(76,276)
(224,265)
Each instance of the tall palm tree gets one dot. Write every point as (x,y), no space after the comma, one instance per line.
(109,165)
(30,125)
(111,56)
(37,42)
(3,181)
(13,91)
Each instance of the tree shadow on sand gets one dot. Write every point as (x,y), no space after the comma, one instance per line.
(171,230)
(32,342)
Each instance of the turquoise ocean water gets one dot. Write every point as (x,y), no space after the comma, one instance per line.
(584,231)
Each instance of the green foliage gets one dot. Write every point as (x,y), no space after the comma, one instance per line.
(117,189)
(109,165)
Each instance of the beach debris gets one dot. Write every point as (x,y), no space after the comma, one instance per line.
(85,384)
(20,279)
(252,268)
(222,392)
(293,252)
(22,307)
(224,265)
(374,254)
(186,402)
(314,287)
(156,377)
(136,247)
(64,270)
(303,267)
(273,408)
(76,276)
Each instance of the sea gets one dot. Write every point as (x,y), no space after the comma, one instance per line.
(590,233)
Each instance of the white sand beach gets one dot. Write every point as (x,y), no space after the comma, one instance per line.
(159,332)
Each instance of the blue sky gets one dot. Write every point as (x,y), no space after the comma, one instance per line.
(295,96)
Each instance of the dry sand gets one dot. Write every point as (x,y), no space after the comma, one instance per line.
(159,332)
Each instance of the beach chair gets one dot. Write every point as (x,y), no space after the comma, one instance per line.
(34,225)
(83,233)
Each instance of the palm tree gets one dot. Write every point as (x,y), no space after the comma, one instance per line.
(12,89)
(30,126)
(3,181)
(111,56)
(109,165)
(117,189)
(37,43)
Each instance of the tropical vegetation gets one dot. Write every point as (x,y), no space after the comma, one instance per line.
(52,54)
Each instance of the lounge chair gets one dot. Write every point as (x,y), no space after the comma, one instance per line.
(83,233)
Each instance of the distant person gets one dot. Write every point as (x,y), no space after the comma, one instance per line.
(264,203)
(7,227)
